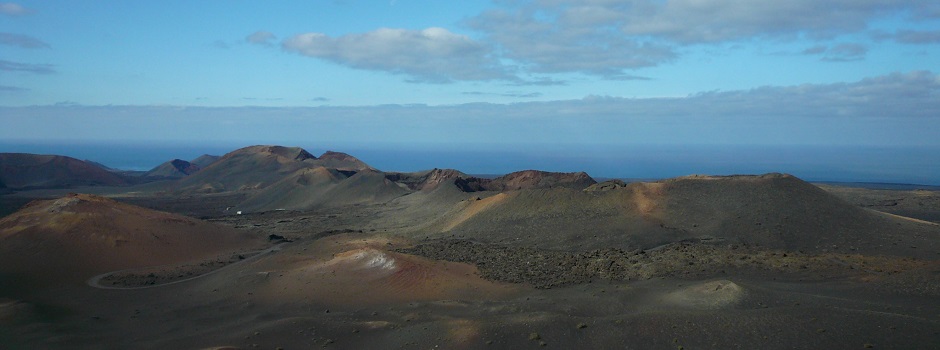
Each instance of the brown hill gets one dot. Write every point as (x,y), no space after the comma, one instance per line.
(429,179)
(257,167)
(176,168)
(529,179)
(773,210)
(24,170)
(342,161)
(249,168)
(75,237)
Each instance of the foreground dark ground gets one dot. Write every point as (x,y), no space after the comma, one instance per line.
(359,277)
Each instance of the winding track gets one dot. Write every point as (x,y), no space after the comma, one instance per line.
(96,280)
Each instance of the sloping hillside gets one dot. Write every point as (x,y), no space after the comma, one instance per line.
(74,237)
(248,168)
(342,161)
(24,170)
(773,210)
(302,189)
(176,168)
(325,187)
(205,160)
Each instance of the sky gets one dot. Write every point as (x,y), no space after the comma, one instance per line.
(554,82)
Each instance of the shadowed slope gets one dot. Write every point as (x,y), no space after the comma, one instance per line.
(74,237)
(176,168)
(205,160)
(526,179)
(23,170)
(299,190)
(323,187)
(430,179)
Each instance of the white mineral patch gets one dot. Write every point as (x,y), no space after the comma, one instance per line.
(376,259)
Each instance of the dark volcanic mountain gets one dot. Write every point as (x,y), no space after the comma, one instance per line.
(176,168)
(430,179)
(249,168)
(23,170)
(102,166)
(204,160)
(774,210)
(526,179)
(79,235)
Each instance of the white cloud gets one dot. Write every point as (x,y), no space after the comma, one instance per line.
(261,38)
(516,94)
(429,55)
(23,41)
(844,52)
(11,66)
(526,42)
(7,88)
(917,36)
(697,21)
(13,9)
(609,38)
(550,46)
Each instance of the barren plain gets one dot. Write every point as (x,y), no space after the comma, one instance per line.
(272,247)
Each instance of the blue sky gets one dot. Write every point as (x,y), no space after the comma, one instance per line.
(588,75)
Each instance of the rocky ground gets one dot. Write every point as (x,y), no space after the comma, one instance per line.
(683,295)
(547,269)
(159,275)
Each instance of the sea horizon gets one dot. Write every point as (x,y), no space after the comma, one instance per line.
(907,165)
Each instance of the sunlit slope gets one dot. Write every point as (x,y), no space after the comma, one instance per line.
(74,237)
(360,270)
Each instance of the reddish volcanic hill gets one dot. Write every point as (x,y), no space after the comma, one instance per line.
(528,179)
(176,168)
(257,167)
(342,161)
(429,179)
(23,170)
(75,237)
